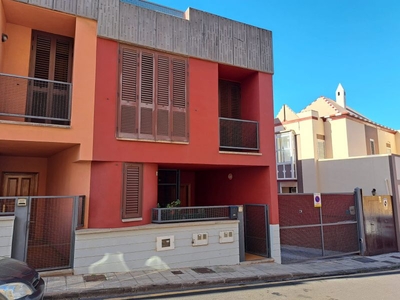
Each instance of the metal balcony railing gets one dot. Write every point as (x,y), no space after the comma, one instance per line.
(235,134)
(27,99)
(194,213)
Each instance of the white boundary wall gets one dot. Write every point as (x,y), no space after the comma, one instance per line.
(135,248)
(6,234)
(275,242)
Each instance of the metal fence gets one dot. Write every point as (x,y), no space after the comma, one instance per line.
(45,227)
(27,99)
(156,7)
(235,134)
(309,232)
(195,213)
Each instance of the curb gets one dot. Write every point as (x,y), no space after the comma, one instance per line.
(168,287)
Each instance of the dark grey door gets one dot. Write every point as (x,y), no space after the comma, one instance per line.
(256,229)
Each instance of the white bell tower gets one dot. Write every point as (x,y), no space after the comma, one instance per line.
(341,96)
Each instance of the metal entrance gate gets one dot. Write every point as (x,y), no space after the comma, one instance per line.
(308,232)
(380,233)
(256,229)
(44,230)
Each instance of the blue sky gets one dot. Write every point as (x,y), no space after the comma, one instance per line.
(319,43)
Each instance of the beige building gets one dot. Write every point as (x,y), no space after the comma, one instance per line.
(329,147)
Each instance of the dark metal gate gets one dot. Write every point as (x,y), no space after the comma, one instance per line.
(309,232)
(256,229)
(380,233)
(44,230)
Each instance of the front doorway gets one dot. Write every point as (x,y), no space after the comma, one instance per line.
(256,231)
(15,185)
(168,187)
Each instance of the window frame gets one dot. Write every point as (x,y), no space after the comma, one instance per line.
(126,216)
(166,69)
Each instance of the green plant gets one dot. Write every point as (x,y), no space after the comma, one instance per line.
(175,203)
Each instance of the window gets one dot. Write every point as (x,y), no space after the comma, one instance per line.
(284,144)
(229,99)
(388,148)
(372,146)
(132,191)
(321,149)
(153,96)
(51,60)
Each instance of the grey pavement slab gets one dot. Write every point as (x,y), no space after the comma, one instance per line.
(120,284)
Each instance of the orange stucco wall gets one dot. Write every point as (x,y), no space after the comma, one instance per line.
(2,30)
(26,165)
(18,45)
(16,56)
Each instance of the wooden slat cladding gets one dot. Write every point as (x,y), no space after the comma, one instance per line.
(159,81)
(132,195)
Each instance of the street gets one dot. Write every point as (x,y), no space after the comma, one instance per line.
(371,286)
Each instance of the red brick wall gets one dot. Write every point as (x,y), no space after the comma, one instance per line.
(299,210)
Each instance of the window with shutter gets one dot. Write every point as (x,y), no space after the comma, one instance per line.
(51,60)
(128,108)
(229,99)
(132,191)
(159,109)
(179,131)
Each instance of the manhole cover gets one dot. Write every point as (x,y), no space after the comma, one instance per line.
(203,270)
(364,259)
(176,272)
(90,278)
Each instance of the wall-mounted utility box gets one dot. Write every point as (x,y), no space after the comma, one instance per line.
(226,237)
(200,239)
(165,243)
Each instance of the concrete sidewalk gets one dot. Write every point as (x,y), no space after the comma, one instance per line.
(125,284)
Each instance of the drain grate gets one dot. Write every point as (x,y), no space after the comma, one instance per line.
(365,259)
(176,272)
(203,270)
(91,278)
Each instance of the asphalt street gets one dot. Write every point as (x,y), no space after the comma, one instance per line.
(369,286)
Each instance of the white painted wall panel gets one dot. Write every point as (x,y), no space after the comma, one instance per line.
(132,248)
(275,242)
(6,233)
(343,175)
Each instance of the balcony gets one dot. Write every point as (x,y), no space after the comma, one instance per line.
(34,100)
(238,135)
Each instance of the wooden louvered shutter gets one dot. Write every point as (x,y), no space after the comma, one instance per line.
(163,98)
(132,191)
(51,59)
(146,127)
(229,99)
(128,103)
(179,101)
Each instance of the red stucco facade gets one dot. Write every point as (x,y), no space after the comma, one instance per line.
(203,166)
